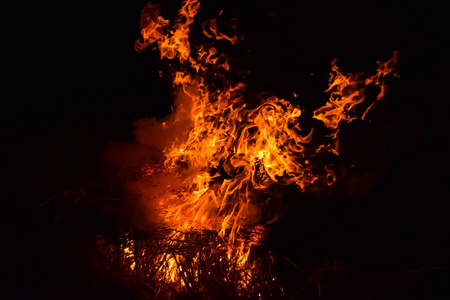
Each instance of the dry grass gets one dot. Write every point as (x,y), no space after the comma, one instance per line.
(166,263)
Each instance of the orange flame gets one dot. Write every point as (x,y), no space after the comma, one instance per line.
(254,148)
(232,154)
(172,42)
(347,91)
(210,30)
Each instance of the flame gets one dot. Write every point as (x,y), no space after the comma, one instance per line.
(233,153)
(348,90)
(210,30)
(172,42)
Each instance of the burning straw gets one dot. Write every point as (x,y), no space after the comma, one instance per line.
(167,263)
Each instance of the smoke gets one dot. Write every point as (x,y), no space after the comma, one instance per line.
(162,133)
(141,185)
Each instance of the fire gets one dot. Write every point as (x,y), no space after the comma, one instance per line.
(232,153)
(347,91)
(171,42)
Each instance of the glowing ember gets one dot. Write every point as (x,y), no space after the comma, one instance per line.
(226,155)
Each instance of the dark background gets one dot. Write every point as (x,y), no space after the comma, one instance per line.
(75,84)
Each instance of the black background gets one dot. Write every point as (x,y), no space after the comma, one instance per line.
(75,84)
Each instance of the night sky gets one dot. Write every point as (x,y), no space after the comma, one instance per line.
(75,85)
